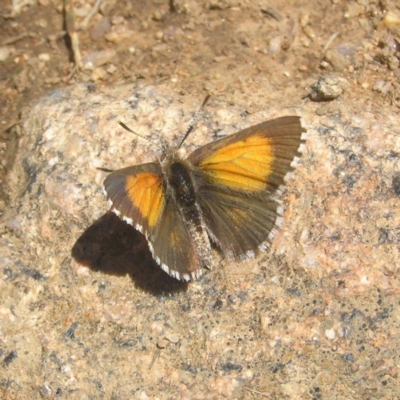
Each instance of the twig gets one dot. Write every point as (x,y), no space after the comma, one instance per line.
(329,42)
(14,39)
(92,12)
(71,30)
(256,392)
(267,9)
(155,356)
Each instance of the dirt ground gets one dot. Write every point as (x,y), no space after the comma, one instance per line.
(85,313)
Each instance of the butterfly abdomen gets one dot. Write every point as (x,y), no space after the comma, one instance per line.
(181,182)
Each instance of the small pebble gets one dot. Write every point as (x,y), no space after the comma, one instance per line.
(119,35)
(309,32)
(81,12)
(382,87)
(389,19)
(327,88)
(172,337)
(98,73)
(13,224)
(330,334)
(96,59)
(338,61)
(162,344)
(111,69)
(157,16)
(353,10)
(117,20)
(44,57)
(274,45)
(5,52)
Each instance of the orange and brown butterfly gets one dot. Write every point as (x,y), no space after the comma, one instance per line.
(226,193)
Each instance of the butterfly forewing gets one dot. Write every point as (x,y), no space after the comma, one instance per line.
(239,180)
(138,195)
(254,158)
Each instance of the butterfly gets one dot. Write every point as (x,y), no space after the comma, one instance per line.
(224,193)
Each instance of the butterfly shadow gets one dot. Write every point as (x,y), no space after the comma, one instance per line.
(113,247)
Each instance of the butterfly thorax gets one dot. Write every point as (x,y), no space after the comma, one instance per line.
(181,181)
(177,172)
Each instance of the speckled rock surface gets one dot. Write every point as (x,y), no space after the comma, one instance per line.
(86,313)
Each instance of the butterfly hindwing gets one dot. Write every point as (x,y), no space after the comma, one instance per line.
(239,224)
(173,247)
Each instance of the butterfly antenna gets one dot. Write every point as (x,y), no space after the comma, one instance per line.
(194,120)
(137,134)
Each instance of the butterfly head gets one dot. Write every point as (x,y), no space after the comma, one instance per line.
(170,154)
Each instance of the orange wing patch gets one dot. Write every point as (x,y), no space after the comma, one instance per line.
(147,194)
(244,164)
